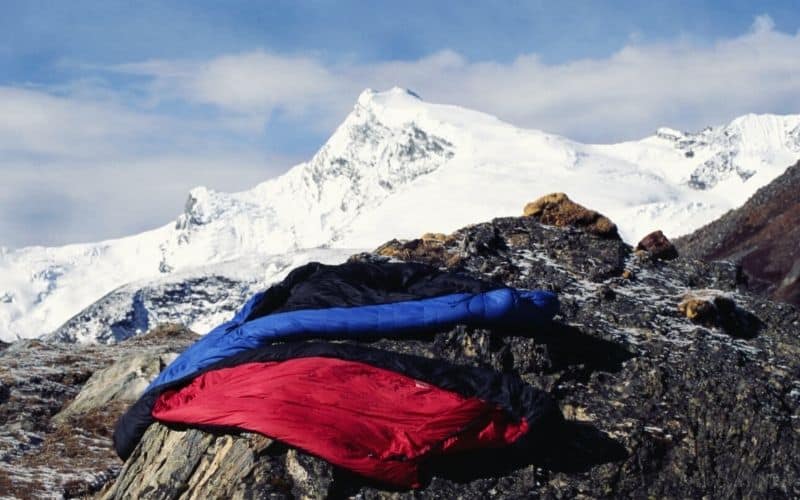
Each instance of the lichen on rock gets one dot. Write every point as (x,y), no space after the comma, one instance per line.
(718,309)
(556,209)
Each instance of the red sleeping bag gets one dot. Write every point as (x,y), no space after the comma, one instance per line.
(373,421)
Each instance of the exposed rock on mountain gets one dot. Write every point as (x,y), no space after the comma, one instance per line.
(659,405)
(558,210)
(763,236)
(58,405)
(134,309)
(657,246)
(200,298)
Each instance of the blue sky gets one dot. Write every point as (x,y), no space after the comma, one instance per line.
(113,110)
(37,35)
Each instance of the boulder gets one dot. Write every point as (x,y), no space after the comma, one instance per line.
(658,405)
(58,406)
(658,246)
(123,382)
(557,209)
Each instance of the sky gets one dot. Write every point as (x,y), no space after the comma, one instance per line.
(110,111)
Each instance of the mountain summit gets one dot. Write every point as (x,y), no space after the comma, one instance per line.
(396,167)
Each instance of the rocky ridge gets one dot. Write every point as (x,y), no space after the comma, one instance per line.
(730,142)
(662,400)
(763,236)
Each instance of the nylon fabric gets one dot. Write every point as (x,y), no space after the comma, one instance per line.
(506,391)
(378,423)
(503,307)
(350,303)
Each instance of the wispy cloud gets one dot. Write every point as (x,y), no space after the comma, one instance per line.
(115,151)
(38,123)
(683,83)
(62,201)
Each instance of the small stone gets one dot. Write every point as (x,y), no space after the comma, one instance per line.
(697,309)
(658,246)
(716,309)
(312,476)
(605,292)
(440,237)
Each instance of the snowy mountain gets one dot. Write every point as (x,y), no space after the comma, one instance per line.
(396,167)
(199,298)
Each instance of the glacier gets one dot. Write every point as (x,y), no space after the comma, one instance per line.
(396,167)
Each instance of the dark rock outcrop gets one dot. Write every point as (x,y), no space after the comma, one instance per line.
(763,236)
(657,246)
(58,405)
(658,405)
(557,209)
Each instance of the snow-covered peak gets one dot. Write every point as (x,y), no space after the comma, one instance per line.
(381,147)
(764,132)
(373,113)
(731,160)
(398,166)
(751,132)
(200,208)
(394,97)
(393,107)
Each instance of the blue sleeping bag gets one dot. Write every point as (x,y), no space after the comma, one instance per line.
(501,307)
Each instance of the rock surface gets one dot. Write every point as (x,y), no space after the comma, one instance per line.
(124,381)
(717,309)
(763,236)
(55,438)
(658,246)
(658,405)
(557,209)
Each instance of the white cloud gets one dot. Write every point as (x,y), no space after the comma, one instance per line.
(73,168)
(683,83)
(37,123)
(251,83)
(763,24)
(64,201)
